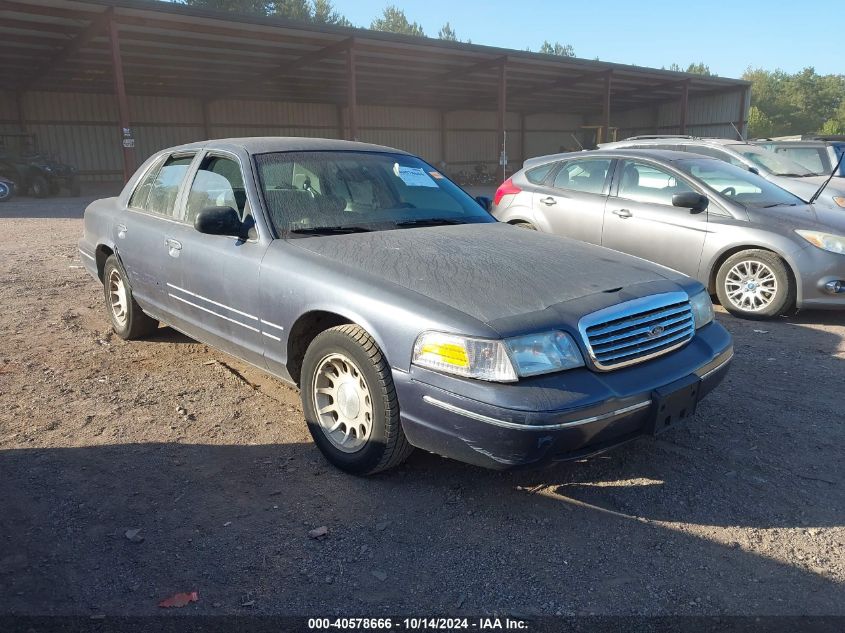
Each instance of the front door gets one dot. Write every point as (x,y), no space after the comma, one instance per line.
(214,280)
(572,201)
(640,219)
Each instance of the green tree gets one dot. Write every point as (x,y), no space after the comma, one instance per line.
(291,9)
(696,69)
(447,33)
(563,50)
(800,103)
(254,7)
(394,20)
(323,12)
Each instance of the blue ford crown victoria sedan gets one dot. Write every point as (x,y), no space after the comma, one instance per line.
(407,316)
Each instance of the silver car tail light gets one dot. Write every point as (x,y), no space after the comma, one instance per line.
(637,330)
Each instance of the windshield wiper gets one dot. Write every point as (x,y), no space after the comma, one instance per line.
(778,204)
(429,222)
(330,230)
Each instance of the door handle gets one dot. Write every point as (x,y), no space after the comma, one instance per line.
(173,247)
(548,200)
(121,230)
(623,213)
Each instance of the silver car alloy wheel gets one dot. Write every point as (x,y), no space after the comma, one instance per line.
(118,299)
(751,285)
(342,402)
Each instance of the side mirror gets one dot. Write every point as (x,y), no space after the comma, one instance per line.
(695,202)
(219,221)
(485,202)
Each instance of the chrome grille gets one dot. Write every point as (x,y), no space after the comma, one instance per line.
(637,330)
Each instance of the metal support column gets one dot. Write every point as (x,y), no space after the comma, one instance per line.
(501,130)
(352,92)
(682,126)
(126,136)
(606,109)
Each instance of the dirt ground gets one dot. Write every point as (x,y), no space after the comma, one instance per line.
(740,511)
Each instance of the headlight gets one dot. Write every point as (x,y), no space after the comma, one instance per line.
(702,308)
(840,200)
(544,353)
(825,241)
(497,360)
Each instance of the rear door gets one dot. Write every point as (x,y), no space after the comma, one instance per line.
(640,219)
(213,280)
(139,236)
(572,199)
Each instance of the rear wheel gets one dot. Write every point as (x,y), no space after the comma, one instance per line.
(127,318)
(755,284)
(350,402)
(524,225)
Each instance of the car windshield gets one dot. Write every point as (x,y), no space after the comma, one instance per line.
(335,192)
(771,162)
(737,184)
(815,159)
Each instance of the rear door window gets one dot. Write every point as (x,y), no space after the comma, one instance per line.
(588,176)
(165,188)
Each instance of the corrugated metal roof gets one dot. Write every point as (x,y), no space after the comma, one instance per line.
(170,49)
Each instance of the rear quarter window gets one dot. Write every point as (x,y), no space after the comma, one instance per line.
(538,174)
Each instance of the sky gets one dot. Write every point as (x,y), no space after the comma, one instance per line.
(727,36)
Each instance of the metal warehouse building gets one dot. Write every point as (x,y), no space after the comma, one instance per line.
(102,84)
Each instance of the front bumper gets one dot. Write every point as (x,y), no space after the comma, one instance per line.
(816,268)
(554,417)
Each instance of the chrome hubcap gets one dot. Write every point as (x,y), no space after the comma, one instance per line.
(751,285)
(118,300)
(343,404)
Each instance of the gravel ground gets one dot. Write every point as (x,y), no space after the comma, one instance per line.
(740,511)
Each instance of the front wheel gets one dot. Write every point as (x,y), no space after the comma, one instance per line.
(350,402)
(6,191)
(127,318)
(755,284)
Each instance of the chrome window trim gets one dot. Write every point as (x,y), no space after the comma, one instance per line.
(630,308)
(528,427)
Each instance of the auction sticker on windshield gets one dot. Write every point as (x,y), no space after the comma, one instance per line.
(413,176)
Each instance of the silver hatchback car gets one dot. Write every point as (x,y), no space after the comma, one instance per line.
(759,248)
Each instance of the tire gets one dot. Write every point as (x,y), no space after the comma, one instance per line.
(127,318)
(347,358)
(39,187)
(773,292)
(7,192)
(524,225)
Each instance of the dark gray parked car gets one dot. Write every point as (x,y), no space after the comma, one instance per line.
(758,247)
(404,312)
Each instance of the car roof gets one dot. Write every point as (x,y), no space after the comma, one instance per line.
(796,143)
(678,140)
(267,144)
(665,155)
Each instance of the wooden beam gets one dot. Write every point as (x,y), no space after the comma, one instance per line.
(451,75)
(289,68)
(352,93)
(682,127)
(127,139)
(567,82)
(96,27)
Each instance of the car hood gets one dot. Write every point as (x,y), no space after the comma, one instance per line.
(488,271)
(804,216)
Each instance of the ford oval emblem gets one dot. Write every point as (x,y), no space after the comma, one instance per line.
(656,331)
